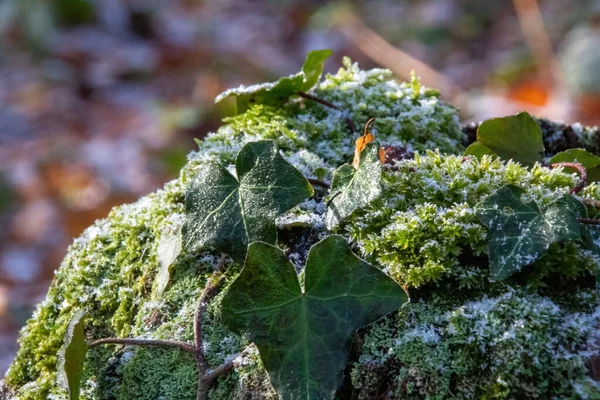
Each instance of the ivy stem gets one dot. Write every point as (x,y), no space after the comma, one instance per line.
(209,292)
(589,221)
(330,105)
(206,378)
(582,175)
(145,343)
(316,182)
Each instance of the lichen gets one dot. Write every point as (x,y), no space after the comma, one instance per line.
(463,335)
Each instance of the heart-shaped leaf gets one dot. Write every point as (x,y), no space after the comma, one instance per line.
(227,214)
(589,161)
(516,137)
(352,189)
(71,356)
(478,150)
(303,336)
(520,233)
(277,92)
(169,247)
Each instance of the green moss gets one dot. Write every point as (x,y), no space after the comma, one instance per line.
(422,232)
(513,345)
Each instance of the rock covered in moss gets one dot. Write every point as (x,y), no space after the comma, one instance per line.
(463,335)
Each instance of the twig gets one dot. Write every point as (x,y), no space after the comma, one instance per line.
(589,221)
(210,291)
(400,63)
(145,343)
(316,182)
(206,378)
(582,175)
(330,105)
(538,41)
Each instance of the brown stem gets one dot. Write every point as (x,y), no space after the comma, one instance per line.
(589,221)
(316,182)
(205,379)
(145,343)
(582,175)
(330,105)
(210,291)
(369,122)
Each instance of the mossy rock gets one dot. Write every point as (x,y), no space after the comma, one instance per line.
(462,335)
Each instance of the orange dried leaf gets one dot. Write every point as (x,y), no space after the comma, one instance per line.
(361,143)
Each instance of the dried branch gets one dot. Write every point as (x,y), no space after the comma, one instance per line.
(205,378)
(400,63)
(316,182)
(582,175)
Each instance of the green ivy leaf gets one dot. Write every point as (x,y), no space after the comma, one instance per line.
(169,248)
(352,189)
(478,150)
(71,356)
(589,161)
(277,92)
(225,214)
(303,336)
(520,233)
(516,137)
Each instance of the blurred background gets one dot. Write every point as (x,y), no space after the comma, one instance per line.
(100,99)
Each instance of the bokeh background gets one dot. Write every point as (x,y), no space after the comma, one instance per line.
(100,100)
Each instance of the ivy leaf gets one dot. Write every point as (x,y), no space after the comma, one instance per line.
(71,356)
(277,92)
(478,150)
(520,233)
(303,335)
(516,137)
(588,160)
(227,214)
(169,248)
(352,189)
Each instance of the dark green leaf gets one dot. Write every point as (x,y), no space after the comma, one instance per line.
(71,356)
(520,233)
(351,190)
(225,214)
(516,137)
(274,93)
(303,336)
(478,150)
(169,247)
(589,161)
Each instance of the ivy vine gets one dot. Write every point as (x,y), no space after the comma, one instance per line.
(303,330)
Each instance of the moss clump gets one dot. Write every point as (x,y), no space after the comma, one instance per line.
(445,343)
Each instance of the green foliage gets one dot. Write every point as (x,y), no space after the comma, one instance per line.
(588,160)
(478,150)
(303,335)
(516,137)
(227,214)
(520,233)
(353,189)
(71,356)
(278,92)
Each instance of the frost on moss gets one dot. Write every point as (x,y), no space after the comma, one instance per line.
(510,345)
(456,342)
